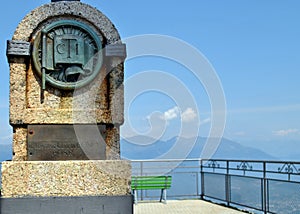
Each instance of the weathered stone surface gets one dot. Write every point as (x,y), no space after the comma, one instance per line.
(97,104)
(65,178)
(47,150)
(63,9)
(19,144)
(101,102)
(113,143)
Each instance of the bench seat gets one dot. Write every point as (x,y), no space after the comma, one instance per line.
(150,183)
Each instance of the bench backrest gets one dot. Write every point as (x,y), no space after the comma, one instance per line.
(151,182)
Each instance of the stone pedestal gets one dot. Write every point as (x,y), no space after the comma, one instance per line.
(53,102)
(66,109)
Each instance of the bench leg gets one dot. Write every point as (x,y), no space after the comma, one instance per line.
(163,196)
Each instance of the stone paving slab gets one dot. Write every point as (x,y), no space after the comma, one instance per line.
(182,206)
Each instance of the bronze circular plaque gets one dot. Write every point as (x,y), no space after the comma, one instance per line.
(67,54)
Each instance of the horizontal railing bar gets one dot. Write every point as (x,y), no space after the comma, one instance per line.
(245,176)
(231,202)
(214,173)
(218,160)
(247,206)
(193,173)
(250,161)
(284,173)
(165,167)
(233,169)
(285,181)
(165,160)
(212,197)
(155,173)
(220,173)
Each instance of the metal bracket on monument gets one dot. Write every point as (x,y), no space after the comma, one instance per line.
(17,49)
(116,50)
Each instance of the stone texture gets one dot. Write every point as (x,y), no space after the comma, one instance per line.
(19,144)
(101,102)
(25,93)
(113,143)
(64,9)
(65,178)
(116,95)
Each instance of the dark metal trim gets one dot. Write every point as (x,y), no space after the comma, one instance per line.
(116,50)
(17,48)
(68,205)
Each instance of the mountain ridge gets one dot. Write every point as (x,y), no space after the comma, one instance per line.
(227,149)
(149,148)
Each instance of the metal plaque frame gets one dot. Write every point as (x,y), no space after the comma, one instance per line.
(62,142)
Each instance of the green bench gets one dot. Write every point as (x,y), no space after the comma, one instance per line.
(150,183)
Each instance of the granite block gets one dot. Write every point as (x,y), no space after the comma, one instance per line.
(65,178)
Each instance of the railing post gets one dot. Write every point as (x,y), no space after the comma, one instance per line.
(264,188)
(197,183)
(142,173)
(227,184)
(202,179)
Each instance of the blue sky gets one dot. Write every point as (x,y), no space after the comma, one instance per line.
(253,45)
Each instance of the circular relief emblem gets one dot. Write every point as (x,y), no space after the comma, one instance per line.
(67,54)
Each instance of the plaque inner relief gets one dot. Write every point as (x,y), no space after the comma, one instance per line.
(67,54)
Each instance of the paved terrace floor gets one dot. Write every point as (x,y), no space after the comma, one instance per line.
(182,207)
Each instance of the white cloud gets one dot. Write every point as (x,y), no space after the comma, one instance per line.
(205,121)
(188,115)
(171,113)
(285,132)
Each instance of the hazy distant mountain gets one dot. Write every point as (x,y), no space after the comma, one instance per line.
(287,150)
(141,147)
(232,150)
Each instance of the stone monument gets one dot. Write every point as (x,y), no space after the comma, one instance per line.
(66,107)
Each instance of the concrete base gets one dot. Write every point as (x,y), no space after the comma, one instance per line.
(68,205)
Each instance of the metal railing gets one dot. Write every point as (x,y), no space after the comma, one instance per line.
(256,186)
